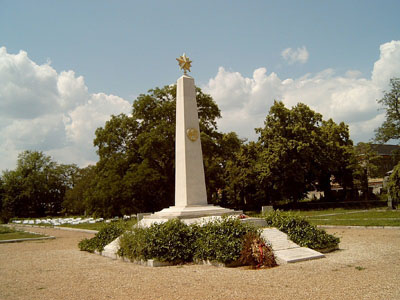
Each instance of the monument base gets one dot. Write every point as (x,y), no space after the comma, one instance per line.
(188,213)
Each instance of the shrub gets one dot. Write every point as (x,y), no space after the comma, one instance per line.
(171,241)
(221,240)
(301,231)
(106,235)
(133,244)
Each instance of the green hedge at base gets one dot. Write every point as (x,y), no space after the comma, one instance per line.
(105,236)
(220,240)
(301,231)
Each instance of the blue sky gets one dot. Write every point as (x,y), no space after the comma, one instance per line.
(84,60)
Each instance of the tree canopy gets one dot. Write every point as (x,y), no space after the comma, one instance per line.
(394,185)
(390,129)
(36,187)
(299,152)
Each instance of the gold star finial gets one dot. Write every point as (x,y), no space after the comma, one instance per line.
(184,63)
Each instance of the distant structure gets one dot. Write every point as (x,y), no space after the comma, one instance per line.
(390,156)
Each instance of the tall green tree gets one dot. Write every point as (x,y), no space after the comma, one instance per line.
(390,129)
(242,189)
(367,161)
(35,188)
(75,199)
(335,157)
(299,151)
(394,186)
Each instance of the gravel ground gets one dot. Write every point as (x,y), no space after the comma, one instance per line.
(367,266)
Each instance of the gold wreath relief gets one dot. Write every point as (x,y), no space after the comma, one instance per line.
(192,134)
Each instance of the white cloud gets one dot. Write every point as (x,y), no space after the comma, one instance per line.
(388,64)
(292,56)
(245,102)
(41,109)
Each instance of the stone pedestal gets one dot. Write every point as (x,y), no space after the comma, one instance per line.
(190,186)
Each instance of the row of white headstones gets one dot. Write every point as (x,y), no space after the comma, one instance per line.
(70,221)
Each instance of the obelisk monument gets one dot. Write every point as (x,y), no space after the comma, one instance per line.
(190,186)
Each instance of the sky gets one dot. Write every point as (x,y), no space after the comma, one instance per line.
(67,66)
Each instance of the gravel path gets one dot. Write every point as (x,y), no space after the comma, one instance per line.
(366,267)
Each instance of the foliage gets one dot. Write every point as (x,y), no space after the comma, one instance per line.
(221,240)
(256,252)
(298,150)
(36,187)
(171,241)
(242,187)
(301,231)
(366,166)
(390,129)
(105,236)
(394,185)
(174,241)
(74,201)
(133,244)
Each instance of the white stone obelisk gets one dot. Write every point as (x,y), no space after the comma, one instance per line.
(190,185)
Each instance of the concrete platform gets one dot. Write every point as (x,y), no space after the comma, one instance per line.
(278,239)
(293,255)
(154,218)
(192,211)
(287,251)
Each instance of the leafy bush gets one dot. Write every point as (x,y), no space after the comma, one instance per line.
(221,240)
(133,244)
(301,231)
(106,235)
(171,241)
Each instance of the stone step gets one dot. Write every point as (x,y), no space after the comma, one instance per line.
(285,250)
(293,255)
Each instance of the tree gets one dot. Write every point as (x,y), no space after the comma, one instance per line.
(35,188)
(336,158)
(75,200)
(136,170)
(366,167)
(299,151)
(242,188)
(390,129)
(394,186)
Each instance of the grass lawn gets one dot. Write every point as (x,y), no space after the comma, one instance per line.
(96,226)
(12,234)
(352,217)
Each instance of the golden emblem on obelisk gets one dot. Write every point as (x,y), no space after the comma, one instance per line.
(192,134)
(184,63)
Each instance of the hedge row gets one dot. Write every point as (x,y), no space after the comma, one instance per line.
(223,240)
(301,231)
(105,236)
